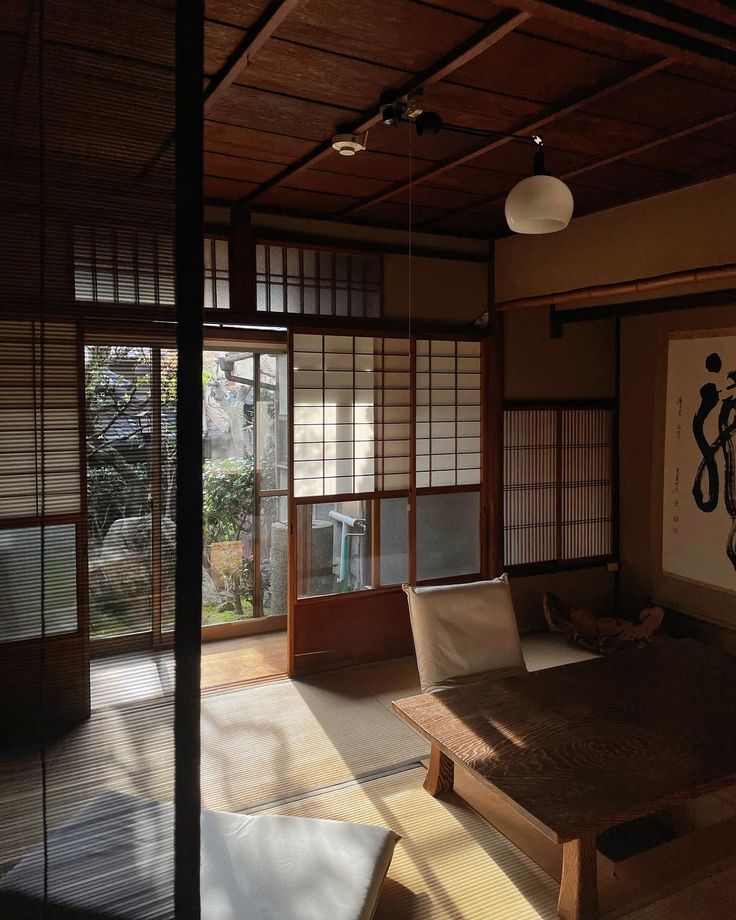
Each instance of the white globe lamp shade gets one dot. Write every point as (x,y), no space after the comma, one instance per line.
(539,204)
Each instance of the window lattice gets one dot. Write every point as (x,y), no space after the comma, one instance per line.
(216,275)
(113,265)
(448,413)
(558,484)
(352,414)
(291,279)
(39,416)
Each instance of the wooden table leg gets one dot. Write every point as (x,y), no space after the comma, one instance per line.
(440,773)
(579,884)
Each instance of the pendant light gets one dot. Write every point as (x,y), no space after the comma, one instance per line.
(540,203)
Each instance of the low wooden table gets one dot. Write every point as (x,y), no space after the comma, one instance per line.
(584,747)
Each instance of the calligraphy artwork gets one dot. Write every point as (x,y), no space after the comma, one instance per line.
(699,509)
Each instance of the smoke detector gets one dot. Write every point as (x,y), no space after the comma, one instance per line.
(347,145)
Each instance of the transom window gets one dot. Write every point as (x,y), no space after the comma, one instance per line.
(317,282)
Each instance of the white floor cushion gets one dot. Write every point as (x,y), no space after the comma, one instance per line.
(114,859)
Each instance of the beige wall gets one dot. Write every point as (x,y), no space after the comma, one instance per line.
(687,228)
(442,290)
(643,380)
(684,229)
(580,365)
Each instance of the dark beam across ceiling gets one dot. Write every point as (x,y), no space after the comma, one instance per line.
(664,33)
(254,39)
(482,39)
(576,102)
(599,162)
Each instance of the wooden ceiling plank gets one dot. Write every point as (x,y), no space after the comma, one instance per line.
(30,33)
(662,37)
(692,23)
(252,42)
(657,142)
(479,41)
(578,101)
(623,154)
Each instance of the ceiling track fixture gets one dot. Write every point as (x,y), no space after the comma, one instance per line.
(538,204)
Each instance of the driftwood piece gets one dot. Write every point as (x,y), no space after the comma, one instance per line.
(600,633)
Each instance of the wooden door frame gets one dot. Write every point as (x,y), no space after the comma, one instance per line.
(148,336)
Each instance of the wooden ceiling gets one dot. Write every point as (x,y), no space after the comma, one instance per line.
(632,99)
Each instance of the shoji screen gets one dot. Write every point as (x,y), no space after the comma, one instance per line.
(448,413)
(352,414)
(558,484)
(89,225)
(448,432)
(358,459)
(293,279)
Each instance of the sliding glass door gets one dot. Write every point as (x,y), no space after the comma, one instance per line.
(130,405)
(244,431)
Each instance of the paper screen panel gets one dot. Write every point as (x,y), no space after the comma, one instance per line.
(558,484)
(291,279)
(216,275)
(352,412)
(530,486)
(448,413)
(123,266)
(587,483)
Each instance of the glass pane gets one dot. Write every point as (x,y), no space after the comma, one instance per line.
(394,541)
(228,481)
(445,549)
(274,538)
(168,487)
(119,478)
(273,432)
(20,575)
(334,548)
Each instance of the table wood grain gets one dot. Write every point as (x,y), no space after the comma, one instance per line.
(583,747)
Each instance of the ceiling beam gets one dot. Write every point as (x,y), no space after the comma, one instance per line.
(577,101)
(688,21)
(482,39)
(590,165)
(657,27)
(251,43)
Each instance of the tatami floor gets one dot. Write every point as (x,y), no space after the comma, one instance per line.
(325,747)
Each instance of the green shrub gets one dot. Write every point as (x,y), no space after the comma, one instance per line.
(228,498)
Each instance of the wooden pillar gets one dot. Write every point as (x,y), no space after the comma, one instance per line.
(242,261)
(493,428)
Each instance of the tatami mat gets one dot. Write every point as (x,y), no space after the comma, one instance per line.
(397,678)
(449,864)
(296,747)
(259,744)
(281,738)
